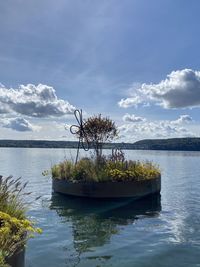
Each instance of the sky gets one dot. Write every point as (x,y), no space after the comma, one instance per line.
(134,61)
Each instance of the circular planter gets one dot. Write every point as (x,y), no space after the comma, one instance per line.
(133,189)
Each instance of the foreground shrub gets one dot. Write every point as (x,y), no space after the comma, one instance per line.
(14,233)
(15,229)
(12,197)
(2,261)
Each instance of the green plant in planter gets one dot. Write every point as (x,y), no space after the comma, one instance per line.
(12,195)
(88,169)
(14,233)
(95,131)
(15,228)
(99,130)
(2,261)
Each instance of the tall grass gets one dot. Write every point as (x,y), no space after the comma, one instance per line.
(105,169)
(12,197)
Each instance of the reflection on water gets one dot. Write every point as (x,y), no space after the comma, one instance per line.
(95,221)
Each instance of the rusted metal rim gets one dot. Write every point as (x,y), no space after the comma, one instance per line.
(108,189)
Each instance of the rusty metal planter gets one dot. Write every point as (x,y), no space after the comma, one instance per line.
(108,189)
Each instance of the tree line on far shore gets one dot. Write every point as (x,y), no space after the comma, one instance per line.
(176,144)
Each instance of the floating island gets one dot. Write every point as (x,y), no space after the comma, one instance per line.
(101,176)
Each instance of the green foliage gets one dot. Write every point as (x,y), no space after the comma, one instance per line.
(14,233)
(106,169)
(12,193)
(2,260)
(85,169)
(98,130)
(55,170)
(15,229)
(132,170)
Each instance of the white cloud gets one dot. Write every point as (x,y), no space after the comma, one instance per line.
(181,89)
(3,110)
(129,102)
(183,119)
(34,101)
(132,118)
(156,129)
(45,130)
(19,124)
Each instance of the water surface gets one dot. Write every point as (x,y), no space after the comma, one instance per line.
(77,232)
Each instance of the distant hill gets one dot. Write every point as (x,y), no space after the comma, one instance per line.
(183,144)
(38,144)
(178,144)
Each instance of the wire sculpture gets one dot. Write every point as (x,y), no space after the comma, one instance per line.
(79,131)
(117,155)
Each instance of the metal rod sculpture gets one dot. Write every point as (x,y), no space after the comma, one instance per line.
(78,130)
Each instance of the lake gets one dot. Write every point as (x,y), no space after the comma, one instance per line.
(153,232)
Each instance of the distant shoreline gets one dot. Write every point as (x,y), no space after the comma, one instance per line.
(174,144)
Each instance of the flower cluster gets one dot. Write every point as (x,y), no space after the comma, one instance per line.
(14,233)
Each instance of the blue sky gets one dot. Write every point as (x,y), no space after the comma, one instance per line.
(129,60)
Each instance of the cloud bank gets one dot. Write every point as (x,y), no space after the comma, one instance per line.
(144,129)
(132,118)
(183,119)
(35,101)
(130,101)
(181,89)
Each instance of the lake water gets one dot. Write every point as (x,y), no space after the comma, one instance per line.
(77,232)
